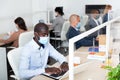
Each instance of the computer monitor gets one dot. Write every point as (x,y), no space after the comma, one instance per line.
(88,8)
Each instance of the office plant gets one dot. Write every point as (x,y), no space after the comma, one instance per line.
(113,72)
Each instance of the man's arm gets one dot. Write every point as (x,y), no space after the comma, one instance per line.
(56,55)
(59,57)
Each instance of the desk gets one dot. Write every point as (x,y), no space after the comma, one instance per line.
(94,72)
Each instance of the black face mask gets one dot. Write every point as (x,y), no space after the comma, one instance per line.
(97,17)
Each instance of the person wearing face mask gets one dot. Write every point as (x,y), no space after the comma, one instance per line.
(74,30)
(34,56)
(57,22)
(13,39)
(93,22)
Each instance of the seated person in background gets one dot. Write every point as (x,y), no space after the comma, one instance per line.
(57,23)
(105,16)
(74,31)
(34,56)
(13,39)
(93,22)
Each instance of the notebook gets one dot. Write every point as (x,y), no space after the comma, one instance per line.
(95,49)
(77,69)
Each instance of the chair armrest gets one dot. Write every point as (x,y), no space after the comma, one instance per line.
(15,77)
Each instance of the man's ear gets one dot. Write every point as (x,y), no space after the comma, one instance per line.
(36,36)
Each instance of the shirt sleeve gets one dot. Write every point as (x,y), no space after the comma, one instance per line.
(56,55)
(24,70)
(55,22)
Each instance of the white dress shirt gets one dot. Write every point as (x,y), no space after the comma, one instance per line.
(96,21)
(34,59)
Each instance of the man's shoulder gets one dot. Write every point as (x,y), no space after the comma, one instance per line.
(71,28)
(28,45)
(91,20)
(27,50)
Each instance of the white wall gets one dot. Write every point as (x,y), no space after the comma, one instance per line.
(78,6)
(11,9)
(39,9)
(34,10)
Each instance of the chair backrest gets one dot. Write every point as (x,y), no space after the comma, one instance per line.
(64,30)
(25,38)
(84,20)
(14,59)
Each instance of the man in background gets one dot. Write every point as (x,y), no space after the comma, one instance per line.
(57,22)
(93,22)
(74,30)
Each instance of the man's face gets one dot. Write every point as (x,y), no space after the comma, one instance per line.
(77,21)
(42,33)
(95,14)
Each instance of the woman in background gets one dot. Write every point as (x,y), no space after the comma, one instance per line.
(13,39)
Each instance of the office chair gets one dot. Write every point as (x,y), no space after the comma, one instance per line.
(84,20)
(62,38)
(25,38)
(13,58)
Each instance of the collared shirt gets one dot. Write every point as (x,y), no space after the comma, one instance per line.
(34,59)
(96,21)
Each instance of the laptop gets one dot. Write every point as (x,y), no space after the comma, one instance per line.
(77,69)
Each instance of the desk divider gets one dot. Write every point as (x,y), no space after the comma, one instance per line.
(82,35)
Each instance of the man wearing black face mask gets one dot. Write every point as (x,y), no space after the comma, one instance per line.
(35,55)
(93,22)
(74,30)
(57,22)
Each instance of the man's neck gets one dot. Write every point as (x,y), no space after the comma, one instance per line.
(72,25)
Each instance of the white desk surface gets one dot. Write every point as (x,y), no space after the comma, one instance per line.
(93,72)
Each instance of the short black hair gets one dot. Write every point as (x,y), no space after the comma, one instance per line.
(59,10)
(21,23)
(40,26)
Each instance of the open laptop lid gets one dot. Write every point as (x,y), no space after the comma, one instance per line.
(77,69)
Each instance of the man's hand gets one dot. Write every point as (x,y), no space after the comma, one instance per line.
(52,70)
(64,66)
